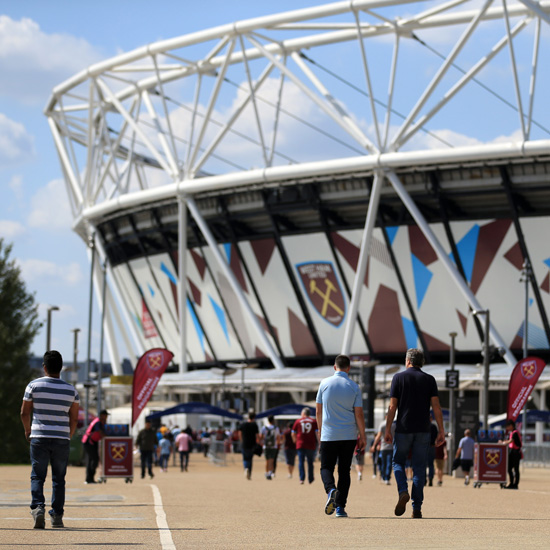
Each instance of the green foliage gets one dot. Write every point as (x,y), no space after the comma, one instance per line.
(18,326)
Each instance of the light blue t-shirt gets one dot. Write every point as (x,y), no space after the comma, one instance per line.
(467,445)
(339,396)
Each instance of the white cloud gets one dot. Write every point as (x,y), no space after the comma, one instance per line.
(33,62)
(10,229)
(50,207)
(34,270)
(16,144)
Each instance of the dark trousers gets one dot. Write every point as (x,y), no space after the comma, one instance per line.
(514,456)
(92,460)
(331,453)
(146,462)
(184,460)
(54,451)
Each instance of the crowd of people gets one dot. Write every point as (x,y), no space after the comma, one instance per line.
(411,445)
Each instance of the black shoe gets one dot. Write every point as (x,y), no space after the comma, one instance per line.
(402,503)
(431,482)
(417,514)
(57,521)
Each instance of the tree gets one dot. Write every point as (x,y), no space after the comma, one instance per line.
(18,326)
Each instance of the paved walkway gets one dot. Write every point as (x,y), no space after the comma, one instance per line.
(213,507)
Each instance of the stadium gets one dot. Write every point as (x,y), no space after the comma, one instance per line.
(359,177)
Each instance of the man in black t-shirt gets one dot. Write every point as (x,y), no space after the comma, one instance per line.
(249,436)
(412,393)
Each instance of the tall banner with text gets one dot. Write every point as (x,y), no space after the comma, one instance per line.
(523,380)
(149,369)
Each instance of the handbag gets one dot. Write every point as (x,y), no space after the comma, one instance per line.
(258,449)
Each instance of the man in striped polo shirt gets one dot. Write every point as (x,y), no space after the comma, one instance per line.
(49,414)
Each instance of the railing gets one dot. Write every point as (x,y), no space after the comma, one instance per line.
(536,456)
(220,452)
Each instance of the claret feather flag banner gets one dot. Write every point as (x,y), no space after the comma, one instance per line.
(523,380)
(149,369)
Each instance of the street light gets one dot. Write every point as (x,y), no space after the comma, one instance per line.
(49,326)
(241,367)
(486,366)
(452,399)
(75,331)
(223,372)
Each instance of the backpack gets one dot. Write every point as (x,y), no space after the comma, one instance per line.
(270,437)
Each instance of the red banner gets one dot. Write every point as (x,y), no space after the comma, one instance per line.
(523,380)
(150,368)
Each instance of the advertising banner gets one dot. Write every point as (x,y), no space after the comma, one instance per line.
(490,463)
(117,457)
(523,380)
(150,368)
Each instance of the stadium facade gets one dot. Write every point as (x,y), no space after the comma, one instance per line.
(358,177)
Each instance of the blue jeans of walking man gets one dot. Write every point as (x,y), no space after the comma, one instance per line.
(54,451)
(418,445)
(303,455)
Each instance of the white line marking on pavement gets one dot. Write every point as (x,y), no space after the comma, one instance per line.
(165,535)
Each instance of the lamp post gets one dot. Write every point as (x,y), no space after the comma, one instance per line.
(525,278)
(49,326)
(486,367)
(241,367)
(75,331)
(452,402)
(223,372)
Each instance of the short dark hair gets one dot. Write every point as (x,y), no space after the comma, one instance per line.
(53,362)
(415,357)
(271,418)
(342,362)
(510,422)
(251,415)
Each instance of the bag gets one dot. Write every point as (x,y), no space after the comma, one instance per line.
(258,449)
(270,438)
(456,463)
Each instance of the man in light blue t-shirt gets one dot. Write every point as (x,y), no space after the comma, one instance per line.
(340,420)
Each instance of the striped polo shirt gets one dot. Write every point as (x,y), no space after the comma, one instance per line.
(51,400)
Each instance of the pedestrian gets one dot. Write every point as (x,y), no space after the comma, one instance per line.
(431,452)
(386,451)
(165,449)
(441,456)
(92,436)
(466,453)
(205,440)
(184,445)
(305,434)
(49,436)
(411,394)
(290,448)
(514,454)
(340,420)
(359,455)
(146,442)
(270,438)
(249,437)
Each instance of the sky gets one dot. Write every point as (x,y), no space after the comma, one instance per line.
(42,43)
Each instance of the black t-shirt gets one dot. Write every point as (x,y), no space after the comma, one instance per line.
(413,389)
(248,434)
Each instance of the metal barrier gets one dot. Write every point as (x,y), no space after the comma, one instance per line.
(220,452)
(536,456)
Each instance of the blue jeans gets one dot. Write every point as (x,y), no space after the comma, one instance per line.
(248,455)
(53,451)
(309,455)
(431,458)
(386,458)
(418,445)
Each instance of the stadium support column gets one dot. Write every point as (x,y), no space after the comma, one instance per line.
(205,230)
(372,212)
(182,270)
(447,262)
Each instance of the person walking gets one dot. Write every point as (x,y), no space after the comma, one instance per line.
(250,437)
(466,453)
(49,436)
(290,448)
(340,419)
(386,451)
(412,393)
(90,440)
(270,438)
(514,454)
(184,445)
(165,449)
(305,434)
(146,442)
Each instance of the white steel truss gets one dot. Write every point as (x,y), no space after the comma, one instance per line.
(346,86)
